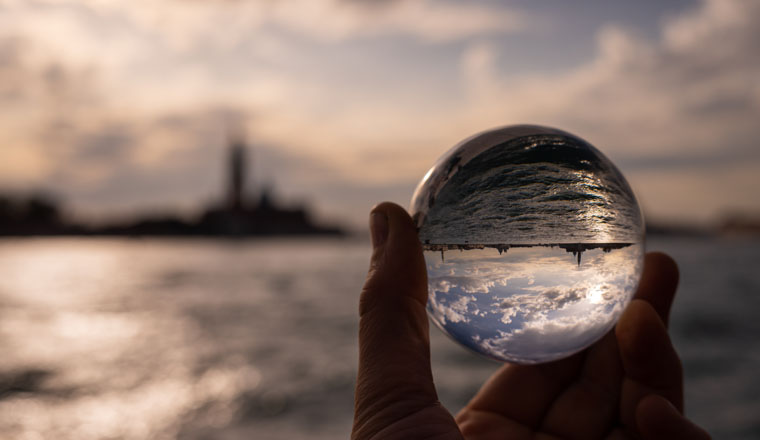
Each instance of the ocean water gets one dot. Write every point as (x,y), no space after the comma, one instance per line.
(524,189)
(201,339)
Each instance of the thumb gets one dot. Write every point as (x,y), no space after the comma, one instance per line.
(394,378)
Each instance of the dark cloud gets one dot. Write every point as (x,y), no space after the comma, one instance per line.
(41,83)
(735,102)
(735,153)
(109,144)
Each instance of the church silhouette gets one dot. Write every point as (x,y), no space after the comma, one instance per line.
(262,215)
(236,214)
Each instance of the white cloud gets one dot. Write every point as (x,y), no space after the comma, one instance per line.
(659,90)
(440,21)
(692,93)
(183,24)
(565,308)
(468,284)
(544,338)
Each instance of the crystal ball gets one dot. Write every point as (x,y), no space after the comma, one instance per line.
(533,243)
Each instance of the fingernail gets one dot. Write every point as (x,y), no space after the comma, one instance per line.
(670,406)
(665,405)
(378,226)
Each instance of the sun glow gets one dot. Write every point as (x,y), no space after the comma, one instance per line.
(595,294)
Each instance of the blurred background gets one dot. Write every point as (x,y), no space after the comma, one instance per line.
(184,187)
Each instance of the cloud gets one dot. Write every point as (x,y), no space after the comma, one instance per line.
(530,304)
(362,97)
(115,165)
(432,20)
(663,90)
(164,57)
(185,24)
(694,94)
(466,284)
(543,339)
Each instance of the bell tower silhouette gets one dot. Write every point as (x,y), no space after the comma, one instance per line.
(236,175)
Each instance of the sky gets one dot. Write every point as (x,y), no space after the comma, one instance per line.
(125,107)
(543,307)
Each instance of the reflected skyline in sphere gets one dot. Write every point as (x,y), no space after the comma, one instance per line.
(533,242)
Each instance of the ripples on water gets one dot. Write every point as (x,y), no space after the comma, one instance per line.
(175,339)
(527,190)
(203,339)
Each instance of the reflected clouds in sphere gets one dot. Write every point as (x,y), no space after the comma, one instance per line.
(533,242)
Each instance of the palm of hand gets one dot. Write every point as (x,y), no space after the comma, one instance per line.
(587,396)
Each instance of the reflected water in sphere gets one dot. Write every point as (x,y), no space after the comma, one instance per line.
(533,242)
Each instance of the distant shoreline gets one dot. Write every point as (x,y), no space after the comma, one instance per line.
(506,246)
(576,248)
(339,234)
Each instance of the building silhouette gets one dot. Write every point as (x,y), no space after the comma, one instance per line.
(575,248)
(236,213)
(256,214)
(236,176)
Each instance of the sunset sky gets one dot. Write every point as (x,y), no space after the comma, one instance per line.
(121,107)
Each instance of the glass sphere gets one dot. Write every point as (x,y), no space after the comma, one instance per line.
(533,242)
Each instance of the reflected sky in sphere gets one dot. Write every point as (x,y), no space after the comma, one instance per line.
(533,243)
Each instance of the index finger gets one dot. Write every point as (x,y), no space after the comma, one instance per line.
(658,283)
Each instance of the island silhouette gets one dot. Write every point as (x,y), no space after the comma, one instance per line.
(238,213)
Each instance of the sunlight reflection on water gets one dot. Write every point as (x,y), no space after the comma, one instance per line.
(146,339)
(183,339)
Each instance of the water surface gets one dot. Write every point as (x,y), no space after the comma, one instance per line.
(199,339)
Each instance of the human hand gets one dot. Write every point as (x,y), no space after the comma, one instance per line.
(627,385)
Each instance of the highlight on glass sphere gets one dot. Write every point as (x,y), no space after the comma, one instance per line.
(533,242)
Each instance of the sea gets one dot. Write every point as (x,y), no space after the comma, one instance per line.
(256,339)
(524,191)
